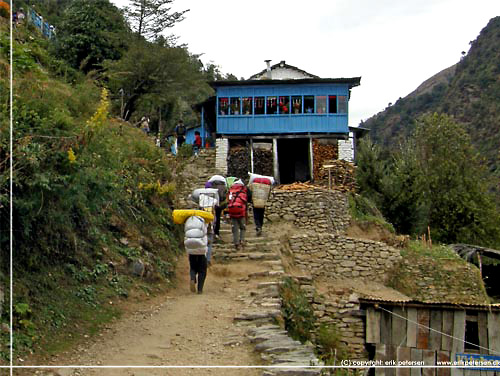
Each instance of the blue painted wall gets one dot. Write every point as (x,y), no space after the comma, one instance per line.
(283,123)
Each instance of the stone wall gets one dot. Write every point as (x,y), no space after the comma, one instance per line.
(335,256)
(317,210)
(340,307)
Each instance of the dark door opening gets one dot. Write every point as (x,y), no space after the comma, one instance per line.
(293,160)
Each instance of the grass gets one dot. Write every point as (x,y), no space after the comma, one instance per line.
(83,183)
(363,210)
(436,251)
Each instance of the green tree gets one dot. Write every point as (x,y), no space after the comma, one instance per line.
(152,76)
(402,196)
(371,169)
(149,18)
(454,184)
(435,179)
(90,32)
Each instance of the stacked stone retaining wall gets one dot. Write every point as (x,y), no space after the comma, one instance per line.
(316,210)
(335,256)
(339,307)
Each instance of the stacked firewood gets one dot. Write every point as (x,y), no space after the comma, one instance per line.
(238,163)
(342,175)
(322,153)
(263,162)
(298,186)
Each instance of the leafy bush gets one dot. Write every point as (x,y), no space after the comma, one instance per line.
(331,348)
(297,311)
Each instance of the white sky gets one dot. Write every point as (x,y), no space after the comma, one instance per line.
(394,45)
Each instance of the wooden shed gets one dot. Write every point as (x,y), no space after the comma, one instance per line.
(422,335)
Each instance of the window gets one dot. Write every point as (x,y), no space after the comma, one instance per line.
(342,104)
(308,104)
(247,106)
(259,104)
(235,106)
(296,105)
(471,333)
(321,104)
(223,106)
(332,104)
(284,105)
(272,105)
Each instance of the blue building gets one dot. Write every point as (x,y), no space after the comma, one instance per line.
(283,110)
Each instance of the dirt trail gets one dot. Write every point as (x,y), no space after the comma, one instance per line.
(179,329)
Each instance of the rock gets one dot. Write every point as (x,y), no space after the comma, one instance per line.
(138,268)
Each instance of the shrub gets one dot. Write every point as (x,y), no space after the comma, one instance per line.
(297,311)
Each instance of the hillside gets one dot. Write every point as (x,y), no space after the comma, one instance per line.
(469,91)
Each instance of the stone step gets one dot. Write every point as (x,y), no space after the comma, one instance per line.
(257,314)
(267,273)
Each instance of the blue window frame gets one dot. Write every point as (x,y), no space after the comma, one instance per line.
(283,105)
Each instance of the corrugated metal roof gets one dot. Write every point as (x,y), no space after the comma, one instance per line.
(448,305)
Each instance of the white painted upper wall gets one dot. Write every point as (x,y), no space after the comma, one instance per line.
(284,73)
(281,71)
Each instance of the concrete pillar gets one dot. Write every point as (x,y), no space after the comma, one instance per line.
(221,153)
(276,167)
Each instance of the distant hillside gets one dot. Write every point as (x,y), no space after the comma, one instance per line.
(469,91)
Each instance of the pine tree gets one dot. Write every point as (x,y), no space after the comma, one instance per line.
(149,18)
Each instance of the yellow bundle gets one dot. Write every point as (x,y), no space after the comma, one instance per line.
(180,215)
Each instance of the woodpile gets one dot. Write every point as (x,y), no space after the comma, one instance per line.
(297,186)
(238,163)
(322,153)
(263,162)
(342,175)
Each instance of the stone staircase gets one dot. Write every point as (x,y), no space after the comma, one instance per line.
(263,304)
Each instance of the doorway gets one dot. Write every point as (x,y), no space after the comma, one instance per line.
(293,160)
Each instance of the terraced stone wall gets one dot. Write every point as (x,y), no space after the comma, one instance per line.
(336,256)
(316,210)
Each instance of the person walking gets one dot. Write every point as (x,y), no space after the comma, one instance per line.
(197,143)
(260,188)
(180,133)
(196,244)
(218,182)
(238,198)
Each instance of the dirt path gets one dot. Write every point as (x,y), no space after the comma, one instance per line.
(179,329)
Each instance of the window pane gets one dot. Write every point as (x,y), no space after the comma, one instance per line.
(308,104)
(223,106)
(284,105)
(247,106)
(272,105)
(321,104)
(297,105)
(235,106)
(332,104)
(259,105)
(342,104)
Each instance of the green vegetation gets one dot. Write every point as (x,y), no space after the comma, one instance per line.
(436,273)
(434,180)
(297,311)
(92,194)
(300,322)
(332,349)
(149,18)
(470,95)
(90,32)
(364,211)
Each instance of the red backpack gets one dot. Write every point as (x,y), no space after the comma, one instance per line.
(237,201)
